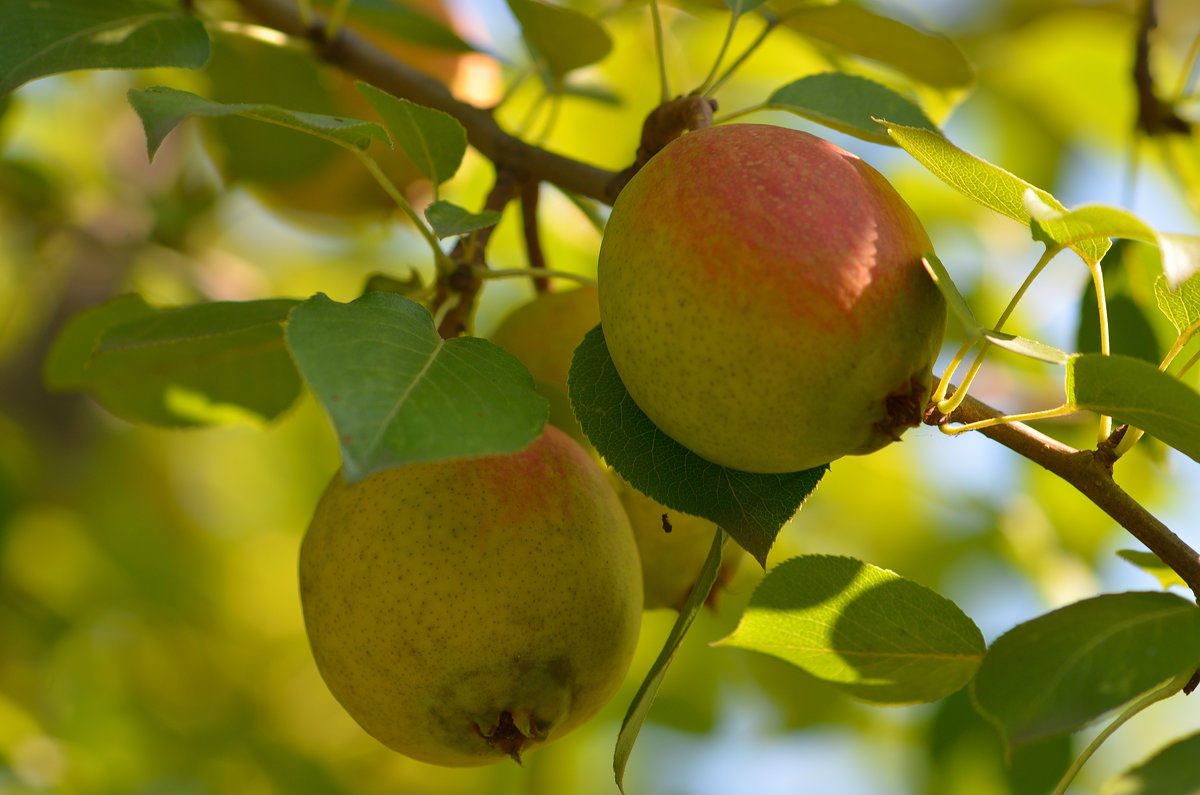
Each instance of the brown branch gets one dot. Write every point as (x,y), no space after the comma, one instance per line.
(530,192)
(664,124)
(1090,472)
(358,56)
(463,284)
(1154,115)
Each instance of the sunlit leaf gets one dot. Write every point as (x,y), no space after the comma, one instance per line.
(750,507)
(433,140)
(849,104)
(978,179)
(1152,565)
(564,38)
(928,57)
(449,219)
(1180,253)
(1181,305)
(191,365)
(639,708)
(1023,346)
(45,38)
(1136,392)
(866,630)
(397,393)
(1173,770)
(162,109)
(1064,669)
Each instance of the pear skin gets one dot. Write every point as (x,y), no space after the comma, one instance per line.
(469,611)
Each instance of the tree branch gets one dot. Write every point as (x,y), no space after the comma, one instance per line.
(1090,472)
(360,57)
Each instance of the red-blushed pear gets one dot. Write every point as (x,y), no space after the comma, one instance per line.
(763,299)
(469,611)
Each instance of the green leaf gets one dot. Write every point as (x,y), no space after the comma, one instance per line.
(45,38)
(1174,770)
(866,630)
(564,38)
(639,708)
(978,179)
(397,393)
(1181,305)
(750,507)
(1152,565)
(1023,346)
(1129,329)
(1180,253)
(433,140)
(404,23)
(954,299)
(1062,670)
(1136,392)
(928,57)
(849,104)
(163,108)
(249,152)
(191,365)
(387,283)
(66,364)
(449,219)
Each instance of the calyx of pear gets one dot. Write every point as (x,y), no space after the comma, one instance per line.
(468,611)
(764,302)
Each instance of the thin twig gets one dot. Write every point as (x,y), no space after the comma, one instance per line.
(1090,472)
(530,192)
(459,290)
(358,56)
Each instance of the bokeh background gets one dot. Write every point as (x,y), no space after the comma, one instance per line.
(150,633)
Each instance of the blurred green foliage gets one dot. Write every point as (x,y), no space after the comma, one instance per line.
(150,632)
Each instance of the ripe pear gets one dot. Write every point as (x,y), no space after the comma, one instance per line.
(673,547)
(543,334)
(764,302)
(471,610)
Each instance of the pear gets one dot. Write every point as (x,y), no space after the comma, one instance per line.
(469,611)
(673,547)
(543,334)
(764,301)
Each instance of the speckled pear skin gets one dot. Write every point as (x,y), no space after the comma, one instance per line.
(763,299)
(543,334)
(469,611)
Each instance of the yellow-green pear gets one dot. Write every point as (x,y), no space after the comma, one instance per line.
(471,610)
(673,547)
(764,302)
(543,334)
